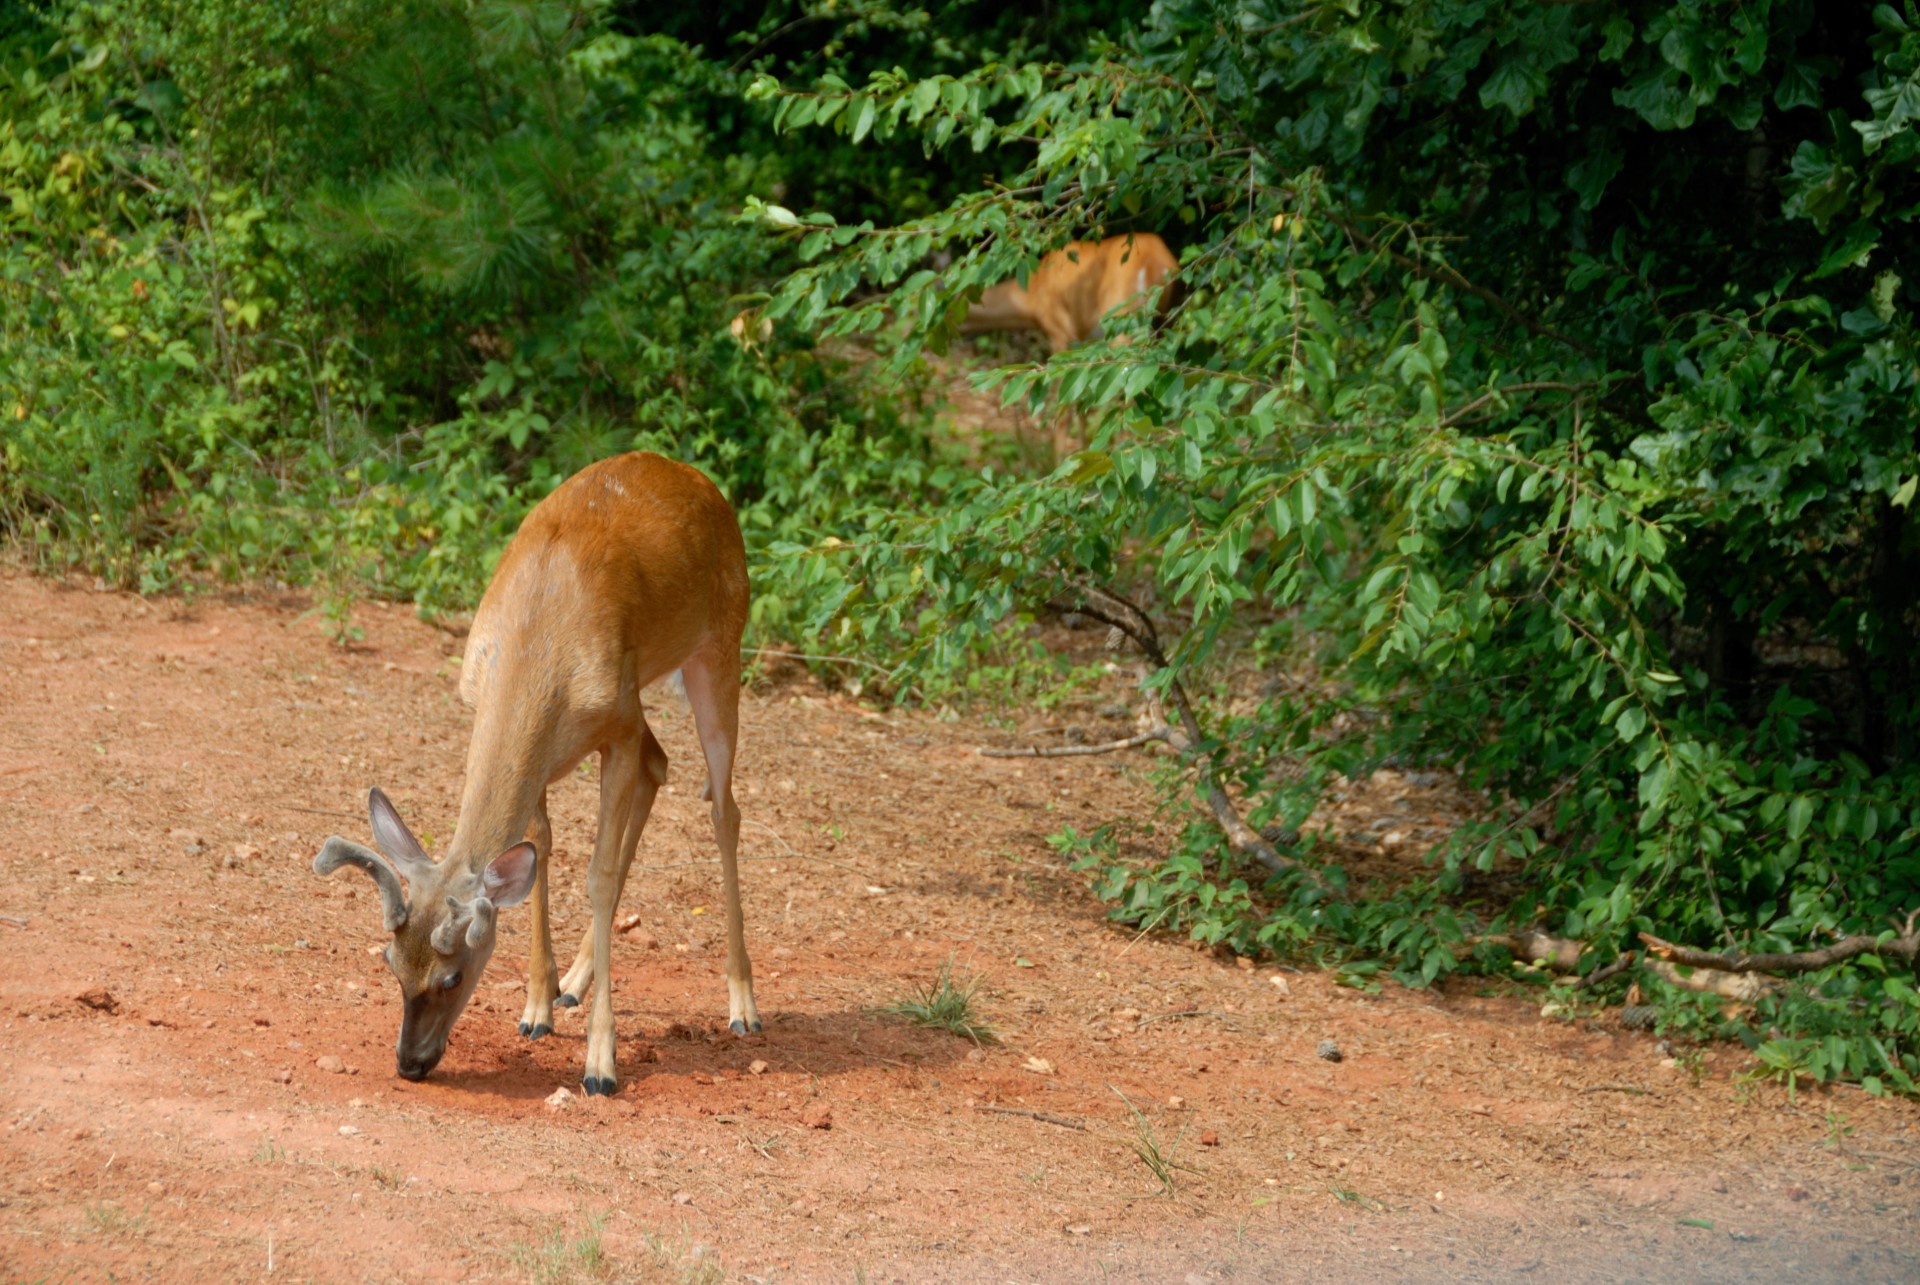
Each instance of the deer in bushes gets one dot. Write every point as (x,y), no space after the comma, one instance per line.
(634,568)
(1075,288)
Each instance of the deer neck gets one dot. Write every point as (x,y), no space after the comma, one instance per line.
(509,761)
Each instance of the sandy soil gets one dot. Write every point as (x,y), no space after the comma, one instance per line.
(196,1073)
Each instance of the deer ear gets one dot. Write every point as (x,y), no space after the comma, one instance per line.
(508,878)
(391,833)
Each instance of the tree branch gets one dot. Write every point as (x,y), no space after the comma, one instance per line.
(1904,946)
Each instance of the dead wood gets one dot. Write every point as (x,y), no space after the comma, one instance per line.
(1904,945)
(1745,987)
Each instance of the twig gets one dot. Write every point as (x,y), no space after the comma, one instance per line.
(1616,1088)
(1138,626)
(1905,945)
(1598,975)
(9,919)
(1041,1116)
(1067,751)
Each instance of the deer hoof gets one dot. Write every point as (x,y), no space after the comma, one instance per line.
(535,1030)
(739,1027)
(564,1000)
(598,1086)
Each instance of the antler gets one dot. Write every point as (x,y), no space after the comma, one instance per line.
(474,917)
(337,852)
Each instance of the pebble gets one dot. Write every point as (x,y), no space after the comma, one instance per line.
(757,1067)
(559,1098)
(1329,1051)
(284,1075)
(330,1064)
(817,1115)
(155,1189)
(349,1130)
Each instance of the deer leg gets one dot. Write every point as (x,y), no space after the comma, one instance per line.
(713,689)
(537,1019)
(620,772)
(653,775)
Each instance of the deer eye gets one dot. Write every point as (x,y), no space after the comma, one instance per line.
(451,980)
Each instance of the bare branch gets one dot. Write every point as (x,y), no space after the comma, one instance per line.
(1904,945)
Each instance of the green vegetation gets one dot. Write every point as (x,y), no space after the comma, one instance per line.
(563,1259)
(1541,398)
(947,1005)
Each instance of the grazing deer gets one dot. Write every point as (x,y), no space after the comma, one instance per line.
(632,569)
(1074,288)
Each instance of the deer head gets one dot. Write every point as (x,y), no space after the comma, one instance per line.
(442,937)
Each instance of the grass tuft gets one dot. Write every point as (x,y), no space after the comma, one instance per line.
(560,1259)
(946,1004)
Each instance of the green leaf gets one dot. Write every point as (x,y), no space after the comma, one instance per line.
(1799,816)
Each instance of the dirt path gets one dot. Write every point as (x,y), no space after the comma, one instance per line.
(167,772)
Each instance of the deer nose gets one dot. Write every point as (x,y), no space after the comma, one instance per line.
(415,1068)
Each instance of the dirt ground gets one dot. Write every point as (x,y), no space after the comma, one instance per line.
(196,1075)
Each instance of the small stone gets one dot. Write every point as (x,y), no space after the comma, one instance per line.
(246,852)
(701,1077)
(1038,1065)
(82,1133)
(559,1099)
(1079,1229)
(1176,1102)
(1280,984)
(817,1115)
(975,1055)
(630,923)
(1208,1138)
(1328,1050)
(757,1067)
(682,1198)
(349,1130)
(1798,1193)
(1244,963)
(155,1189)
(330,1064)
(284,1075)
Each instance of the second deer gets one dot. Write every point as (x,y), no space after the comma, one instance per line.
(1075,288)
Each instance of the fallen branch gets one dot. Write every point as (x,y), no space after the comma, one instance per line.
(1744,987)
(1066,751)
(1041,1116)
(1904,945)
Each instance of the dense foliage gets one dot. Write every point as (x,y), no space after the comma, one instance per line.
(1541,400)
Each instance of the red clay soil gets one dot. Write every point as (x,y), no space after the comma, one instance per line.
(197,1083)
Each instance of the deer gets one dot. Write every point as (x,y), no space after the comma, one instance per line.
(630,571)
(1067,297)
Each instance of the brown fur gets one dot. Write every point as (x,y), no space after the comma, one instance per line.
(1074,288)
